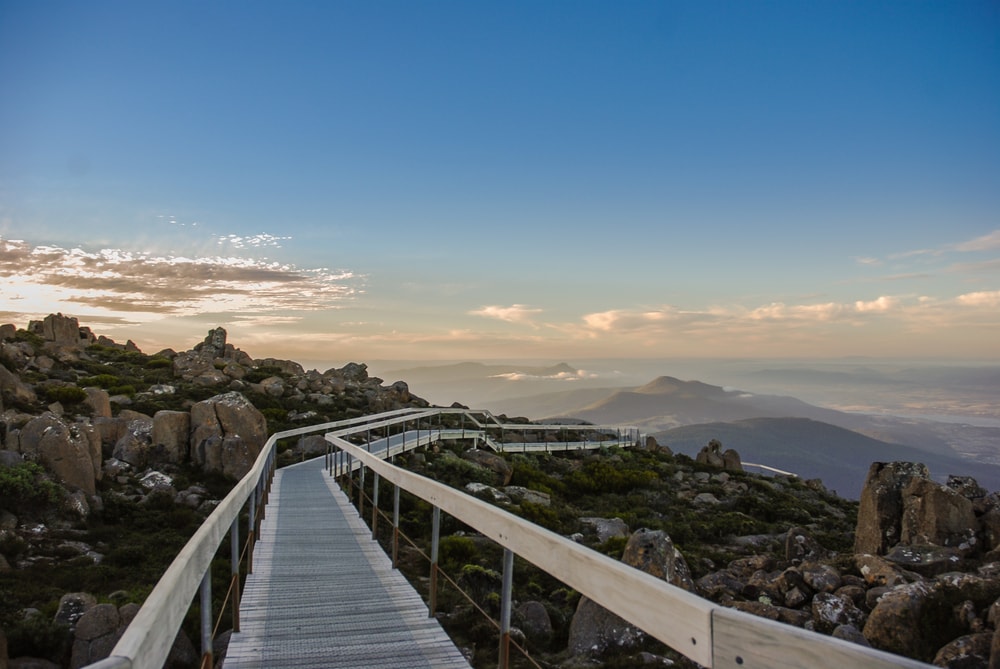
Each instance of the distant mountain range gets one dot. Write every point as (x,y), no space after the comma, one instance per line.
(775,430)
(813,449)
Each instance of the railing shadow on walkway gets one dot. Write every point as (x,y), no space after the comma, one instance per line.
(710,634)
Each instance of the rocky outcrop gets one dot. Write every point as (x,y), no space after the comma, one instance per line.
(881,506)
(227,434)
(100,628)
(712,454)
(71,452)
(936,514)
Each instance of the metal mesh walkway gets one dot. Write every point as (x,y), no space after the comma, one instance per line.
(324,595)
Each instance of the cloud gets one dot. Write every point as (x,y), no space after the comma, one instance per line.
(43,279)
(861,260)
(515,313)
(988,299)
(262,240)
(988,242)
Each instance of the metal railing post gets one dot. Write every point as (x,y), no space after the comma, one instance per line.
(435,540)
(234,558)
(251,534)
(505,597)
(375,480)
(395,525)
(361,491)
(206,619)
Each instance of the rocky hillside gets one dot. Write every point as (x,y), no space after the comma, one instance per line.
(110,458)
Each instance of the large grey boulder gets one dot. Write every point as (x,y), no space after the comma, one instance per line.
(594,630)
(13,389)
(67,451)
(99,402)
(712,454)
(136,445)
(171,436)
(881,506)
(936,514)
(227,434)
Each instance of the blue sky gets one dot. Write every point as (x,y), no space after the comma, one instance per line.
(473,180)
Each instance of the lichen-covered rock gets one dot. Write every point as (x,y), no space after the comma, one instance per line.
(72,606)
(171,436)
(606,528)
(227,434)
(881,505)
(595,630)
(65,450)
(919,618)
(830,611)
(99,402)
(971,651)
(800,546)
(95,636)
(136,445)
(936,514)
(500,467)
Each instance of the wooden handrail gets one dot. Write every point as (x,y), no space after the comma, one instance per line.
(711,635)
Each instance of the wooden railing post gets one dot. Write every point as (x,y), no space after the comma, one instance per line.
(361,491)
(251,534)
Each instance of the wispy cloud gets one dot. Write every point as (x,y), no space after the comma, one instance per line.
(39,279)
(262,240)
(515,313)
(988,242)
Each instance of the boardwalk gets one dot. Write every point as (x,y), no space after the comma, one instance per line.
(323,594)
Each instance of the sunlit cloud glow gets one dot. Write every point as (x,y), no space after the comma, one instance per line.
(41,279)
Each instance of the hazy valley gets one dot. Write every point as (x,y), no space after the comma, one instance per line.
(945,414)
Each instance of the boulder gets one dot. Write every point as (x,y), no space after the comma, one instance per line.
(500,467)
(534,620)
(171,436)
(99,402)
(712,454)
(936,514)
(606,528)
(97,631)
(227,434)
(65,450)
(918,618)
(966,652)
(136,445)
(594,630)
(881,505)
(800,546)
(7,332)
(72,606)
(521,494)
(287,367)
(653,552)
(12,389)
(830,612)
(924,559)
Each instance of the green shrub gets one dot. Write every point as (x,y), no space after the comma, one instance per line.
(36,636)
(26,486)
(122,390)
(159,363)
(100,380)
(65,394)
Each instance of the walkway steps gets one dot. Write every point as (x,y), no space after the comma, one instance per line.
(324,595)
